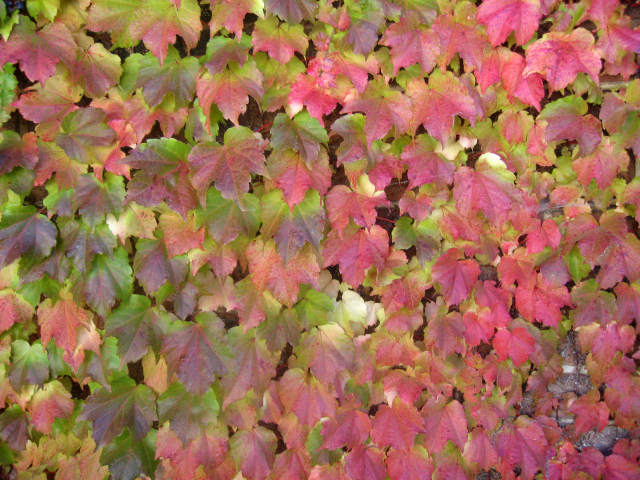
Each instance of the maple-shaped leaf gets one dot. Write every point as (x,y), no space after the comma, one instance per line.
(14,427)
(47,105)
(222,50)
(292,11)
(350,427)
(61,321)
(627,301)
(109,278)
(229,165)
(363,29)
(566,120)
(163,174)
(459,34)
(133,220)
(546,235)
(127,405)
(559,57)
(156,22)
(592,304)
(292,228)
(457,277)
(516,343)
(187,414)
(280,41)
(29,364)
(153,267)
(229,90)
(501,17)
(230,15)
(195,352)
(609,244)
(269,271)
(541,301)
(303,134)
(411,42)
(176,76)
(327,351)
(125,457)
(313,93)
(383,108)
(95,199)
(16,151)
(526,88)
(603,164)
(355,251)
(94,68)
(253,452)
(436,104)
(489,189)
(253,366)
(396,425)
(290,173)
(479,449)
(225,219)
(411,464)
(38,51)
(180,236)
(446,333)
(83,130)
(444,422)
(48,403)
(302,394)
(590,412)
(521,443)
(425,165)
(365,462)
(137,326)
(24,231)
(358,204)
(13,309)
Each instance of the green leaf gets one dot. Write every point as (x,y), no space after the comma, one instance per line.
(110,279)
(304,134)
(225,219)
(25,232)
(29,364)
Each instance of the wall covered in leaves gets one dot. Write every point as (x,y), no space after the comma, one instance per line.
(304,239)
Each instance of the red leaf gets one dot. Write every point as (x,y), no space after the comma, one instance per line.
(254,452)
(426,166)
(61,321)
(606,161)
(457,277)
(411,464)
(359,204)
(280,41)
(355,251)
(307,398)
(502,17)
(521,443)
(590,412)
(542,301)
(349,428)
(444,422)
(396,425)
(516,343)
(365,462)
(559,57)
(458,34)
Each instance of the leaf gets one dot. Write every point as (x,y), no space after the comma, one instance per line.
(292,11)
(590,412)
(153,267)
(13,309)
(521,443)
(458,34)
(501,17)
(426,166)
(358,204)
(175,75)
(516,343)
(16,151)
(163,174)
(229,90)
(280,41)
(83,130)
(302,134)
(195,352)
(222,50)
(365,462)
(133,221)
(303,395)
(38,51)
(230,15)
(225,219)
(327,351)
(290,173)
(436,104)
(180,236)
(382,107)
(410,464)
(229,165)
(559,57)
(444,422)
(29,364)
(49,403)
(350,428)
(61,322)
(566,120)
(95,69)
(396,425)
(127,405)
(96,199)
(606,161)
(14,424)
(253,452)
(269,271)
(355,251)
(541,301)
(489,189)
(411,43)
(457,277)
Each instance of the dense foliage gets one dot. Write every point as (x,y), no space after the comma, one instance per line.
(291,239)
